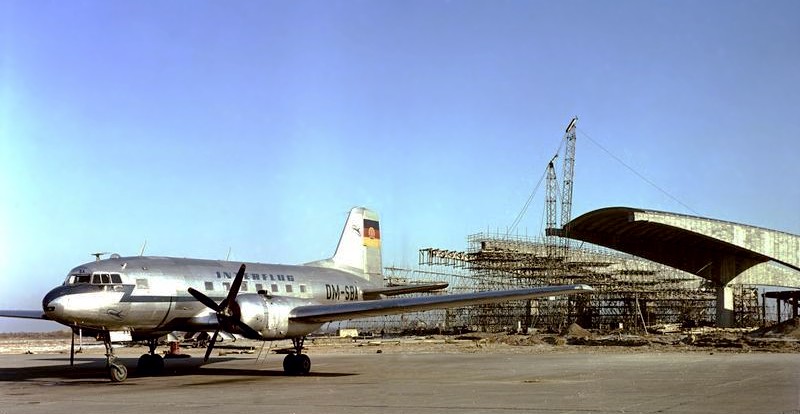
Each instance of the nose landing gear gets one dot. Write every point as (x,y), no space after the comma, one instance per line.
(116,371)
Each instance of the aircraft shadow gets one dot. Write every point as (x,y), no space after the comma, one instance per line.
(93,370)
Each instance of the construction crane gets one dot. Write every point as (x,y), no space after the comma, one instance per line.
(566,188)
(550,206)
(569,172)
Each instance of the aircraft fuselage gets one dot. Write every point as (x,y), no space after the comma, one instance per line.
(149,295)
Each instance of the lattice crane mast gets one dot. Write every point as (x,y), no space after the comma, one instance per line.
(569,172)
(550,206)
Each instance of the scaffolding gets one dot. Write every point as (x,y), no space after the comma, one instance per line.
(441,320)
(746,309)
(629,291)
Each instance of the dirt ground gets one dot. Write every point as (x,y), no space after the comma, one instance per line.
(782,338)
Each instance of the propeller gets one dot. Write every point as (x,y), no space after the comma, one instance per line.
(224,310)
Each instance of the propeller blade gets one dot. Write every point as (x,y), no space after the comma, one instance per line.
(211,345)
(249,332)
(205,300)
(235,286)
(223,310)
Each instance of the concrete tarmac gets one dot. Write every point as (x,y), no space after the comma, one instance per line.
(558,382)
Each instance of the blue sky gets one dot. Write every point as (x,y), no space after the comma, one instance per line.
(200,126)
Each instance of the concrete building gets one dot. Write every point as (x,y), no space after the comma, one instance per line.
(723,252)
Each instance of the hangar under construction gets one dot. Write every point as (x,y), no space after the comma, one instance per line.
(631,292)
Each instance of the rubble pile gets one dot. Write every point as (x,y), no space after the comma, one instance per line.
(786,329)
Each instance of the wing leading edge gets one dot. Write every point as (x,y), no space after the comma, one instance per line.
(352,310)
(25,314)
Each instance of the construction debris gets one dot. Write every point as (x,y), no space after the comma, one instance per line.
(785,329)
(576,331)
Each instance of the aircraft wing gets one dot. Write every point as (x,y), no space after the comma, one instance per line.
(353,310)
(26,314)
(376,293)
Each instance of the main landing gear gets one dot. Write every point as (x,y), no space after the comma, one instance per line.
(297,363)
(116,371)
(151,363)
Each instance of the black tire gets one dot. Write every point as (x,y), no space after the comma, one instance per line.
(157,363)
(143,365)
(150,364)
(303,363)
(290,364)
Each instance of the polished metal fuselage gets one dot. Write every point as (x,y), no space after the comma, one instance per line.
(153,295)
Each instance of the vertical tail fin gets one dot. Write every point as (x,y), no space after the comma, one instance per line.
(359,249)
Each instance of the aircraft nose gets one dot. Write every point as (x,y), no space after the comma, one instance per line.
(61,303)
(52,303)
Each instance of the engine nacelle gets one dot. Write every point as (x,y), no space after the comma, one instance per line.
(269,316)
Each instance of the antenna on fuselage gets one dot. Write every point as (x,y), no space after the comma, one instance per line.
(97,255)
(141,251)
(228,256)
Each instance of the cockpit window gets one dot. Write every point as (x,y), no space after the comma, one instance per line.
(80,279)
(96,279)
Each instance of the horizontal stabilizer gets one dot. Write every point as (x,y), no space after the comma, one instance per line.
(352,310)
(376,293)
(25,314)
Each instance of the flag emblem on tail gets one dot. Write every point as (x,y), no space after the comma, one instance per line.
(372,233)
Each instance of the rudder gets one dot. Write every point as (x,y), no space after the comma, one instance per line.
(359,248)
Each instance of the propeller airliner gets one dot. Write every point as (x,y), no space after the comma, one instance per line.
(142,298)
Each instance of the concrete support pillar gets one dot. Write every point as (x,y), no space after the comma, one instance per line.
(725,307)
(778,308)
(727,272)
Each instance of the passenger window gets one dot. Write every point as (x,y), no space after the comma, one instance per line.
(259,287)
(274,288)
(142,284)
(288,288)
(226,286)
(209,285)
(105,278)
(96,279)
(116,278)
(244,287)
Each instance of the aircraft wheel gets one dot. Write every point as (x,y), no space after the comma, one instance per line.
(296,364)
(303,363)
(143,365)
(158,363)
(150,364)
(117,372)
(290,364)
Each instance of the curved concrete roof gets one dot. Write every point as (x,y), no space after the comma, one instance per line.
(714,249)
